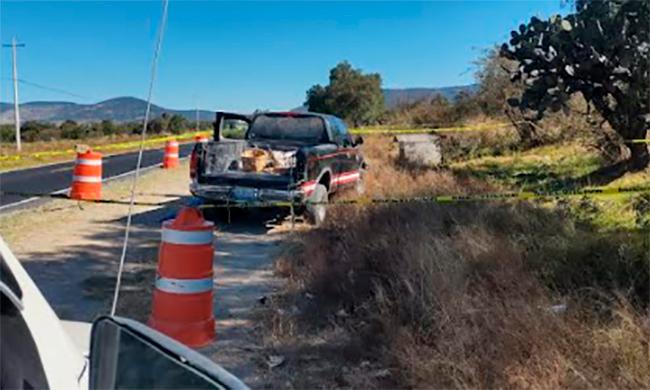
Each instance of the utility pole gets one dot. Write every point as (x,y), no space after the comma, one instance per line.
(13,46)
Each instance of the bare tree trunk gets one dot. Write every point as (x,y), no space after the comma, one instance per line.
(639,152)
(639,157)
(525,130)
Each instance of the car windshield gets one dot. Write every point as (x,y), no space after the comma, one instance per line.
(308,129)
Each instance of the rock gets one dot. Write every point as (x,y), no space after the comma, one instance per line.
(275,361)
(421,150)
(342,313)
(381,373)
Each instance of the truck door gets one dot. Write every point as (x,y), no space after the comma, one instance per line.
(227,124)
(347,167)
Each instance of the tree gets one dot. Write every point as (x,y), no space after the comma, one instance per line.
(72,130)
(465,105)
(30,130)
(494,85)
(600,51)
(7,133)
(160,124)
(351,95)
(434,112)
(107,127)
(177,123)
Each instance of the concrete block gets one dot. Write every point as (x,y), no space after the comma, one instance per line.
(421,150)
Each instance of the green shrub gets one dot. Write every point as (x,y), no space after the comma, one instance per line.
(30,130)
(7,133)
(641,205)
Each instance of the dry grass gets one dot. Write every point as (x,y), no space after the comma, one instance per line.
(466,295)
(462,297)
(387,179)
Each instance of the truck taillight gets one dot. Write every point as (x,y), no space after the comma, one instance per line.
(194,162)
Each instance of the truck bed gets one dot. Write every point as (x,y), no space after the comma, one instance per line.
(248,179)
(217,169)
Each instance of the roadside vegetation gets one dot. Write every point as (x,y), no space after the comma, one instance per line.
(50,142)
(489,294)
(550,293)
(34,131)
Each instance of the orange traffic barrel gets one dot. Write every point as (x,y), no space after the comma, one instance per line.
(182,298)
(201,139)
(170,159)
(87,176)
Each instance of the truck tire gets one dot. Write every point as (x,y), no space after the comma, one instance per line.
(317,212)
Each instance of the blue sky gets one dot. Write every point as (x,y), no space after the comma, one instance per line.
(247,55)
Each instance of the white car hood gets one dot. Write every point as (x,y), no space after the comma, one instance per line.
(79,332)
(62,361)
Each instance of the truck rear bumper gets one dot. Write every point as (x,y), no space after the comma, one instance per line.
(236,194)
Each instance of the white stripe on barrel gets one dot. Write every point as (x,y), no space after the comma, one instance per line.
(172,155)
(87,179)
(186,237)
(184,286)
(93,163)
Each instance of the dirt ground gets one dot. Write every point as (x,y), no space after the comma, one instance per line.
(72,250)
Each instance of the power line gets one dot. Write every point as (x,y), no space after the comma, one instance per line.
(48,88)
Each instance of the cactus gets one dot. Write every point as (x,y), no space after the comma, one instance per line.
(601,51)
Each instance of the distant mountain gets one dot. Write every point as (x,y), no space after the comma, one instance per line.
(121,109)
(125,109)
(393,97)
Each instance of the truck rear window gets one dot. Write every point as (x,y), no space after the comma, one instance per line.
(308,129)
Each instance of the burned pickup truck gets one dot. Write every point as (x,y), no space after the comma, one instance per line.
(302,158)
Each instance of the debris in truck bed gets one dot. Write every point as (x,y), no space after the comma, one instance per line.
(254,160)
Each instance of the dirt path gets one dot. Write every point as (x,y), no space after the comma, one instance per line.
(244,283)
(71,251)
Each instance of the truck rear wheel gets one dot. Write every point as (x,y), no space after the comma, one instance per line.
(316,209)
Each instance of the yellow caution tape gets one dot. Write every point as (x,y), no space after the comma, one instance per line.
(382,131)
(638,141)
(364,201)
(109,147)
(443,199)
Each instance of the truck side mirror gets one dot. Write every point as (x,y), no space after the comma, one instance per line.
(127,354)
(358,140)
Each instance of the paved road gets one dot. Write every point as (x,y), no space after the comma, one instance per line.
(57,177)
